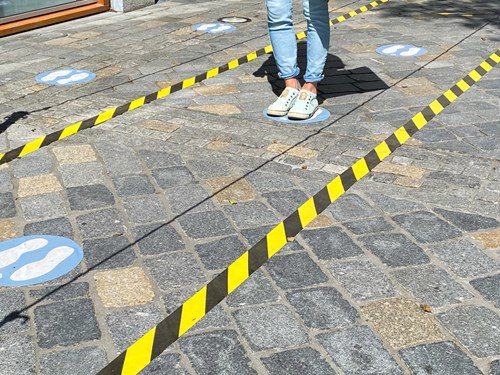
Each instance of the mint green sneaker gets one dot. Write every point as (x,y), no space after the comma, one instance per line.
(304,107)
(283,104)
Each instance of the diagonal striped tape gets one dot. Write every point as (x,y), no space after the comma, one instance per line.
(139,102)
(153,343)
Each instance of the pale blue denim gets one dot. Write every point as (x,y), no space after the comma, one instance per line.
(282,35)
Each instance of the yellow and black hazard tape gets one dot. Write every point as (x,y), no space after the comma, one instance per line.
(139,102)
(153,343)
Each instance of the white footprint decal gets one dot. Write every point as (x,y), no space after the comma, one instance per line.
(11,255)
(220,28)
(393,49)
(54,75)
(411,52)
(206,26)
(36,269)
(73,78)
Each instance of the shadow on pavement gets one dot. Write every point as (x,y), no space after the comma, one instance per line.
(470,13)
(12,119)
(337,82)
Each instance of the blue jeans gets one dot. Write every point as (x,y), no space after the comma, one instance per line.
(282,35)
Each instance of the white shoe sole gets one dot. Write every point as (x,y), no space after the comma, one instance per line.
(301,116)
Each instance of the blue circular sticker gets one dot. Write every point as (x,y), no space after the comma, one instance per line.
(321,115)
(35,259)
(65,77)
(401,50)
(214,28)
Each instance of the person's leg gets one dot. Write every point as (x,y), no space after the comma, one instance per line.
(282,35)
(318,41)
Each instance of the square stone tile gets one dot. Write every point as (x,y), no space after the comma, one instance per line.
(66,323)
(297,151)
(11,301)
(295,270)
(468,222)
(321,221)
(489,239)
(441,358)
(351,207)
(426,227)
(158,239)
(251,214)
(402,322)
(89,197)
(431,285)
(106,253)
(370,225)
(266,182)
(37,163)
(217,109)
(123,287)
(159,126)
(270,327)
(488,287)
(155,159)
(174,176)
(175,270)
(5,182)
(476,327)
(464,258)
(229,358)
(323,308)
(395,249)
(215,90)
(221,253)
(172,361)
(7,206)
(208,168)
(43,206)
(18,355)
(257,289)
(297,362)
(145,209)
(362,280)
(205,224)
(76,361)
(331,243)
(36,185)
(82,174)
(7,230)
(495,367)
(133,185)
(189,198)
(357,351)
(60,226)
(230,190)
(286,202)
(103,223)
(74,154)
(61,292)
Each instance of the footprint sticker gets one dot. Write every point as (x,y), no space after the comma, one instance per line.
(401,50)
(65,77)
(214,28)
(32,260)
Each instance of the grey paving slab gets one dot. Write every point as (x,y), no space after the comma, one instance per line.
(296,362)
(19,355)
(55,227)
(488,287)
(102,223)
(331,243)
(78,362)
(155,239)
(89,197)
(220,253)
(110,252)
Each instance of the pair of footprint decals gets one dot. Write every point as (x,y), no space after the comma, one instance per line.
(35,259)
(214,28)
(402,50)
(65,77)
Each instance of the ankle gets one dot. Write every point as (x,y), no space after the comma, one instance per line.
(293,83)
(311,87)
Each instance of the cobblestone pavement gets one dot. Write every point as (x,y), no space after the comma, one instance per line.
(399,276)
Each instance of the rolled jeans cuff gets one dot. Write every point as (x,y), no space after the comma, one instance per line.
(294,74)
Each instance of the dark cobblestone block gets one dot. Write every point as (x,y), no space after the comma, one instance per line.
(171,177)
(89,197)
(255,290)
(296,270)
(189,198)
(133,185)
(464,258)
(61,292)
(285,202)
(489,288)
(394,205)
(268,182)
(32,165)
(159,159)
(53,227)
(205,224)
(105,253)
(430,284)
(7,206)
(426,227)
(76,362)
(357,351)
(170,361)
(495,368)
(177,297)
(145,209)
(43,206)
(351,207)
(331,243)
(157,239)
(297,362)
(476,327)
(220,253)
(215,318)
(18,355)
(468,222)
(5,182)
(371,225)
(13,302)
(66,323)
(362,280)
(118,158)
(206,168)
(270,327)
(175,270)
(323,308)
(128,325)
(103,223)
(395,249)
(229,358)
(443,358)
(251,214)
(254,235)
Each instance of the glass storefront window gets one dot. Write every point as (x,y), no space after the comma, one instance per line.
(18,9)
